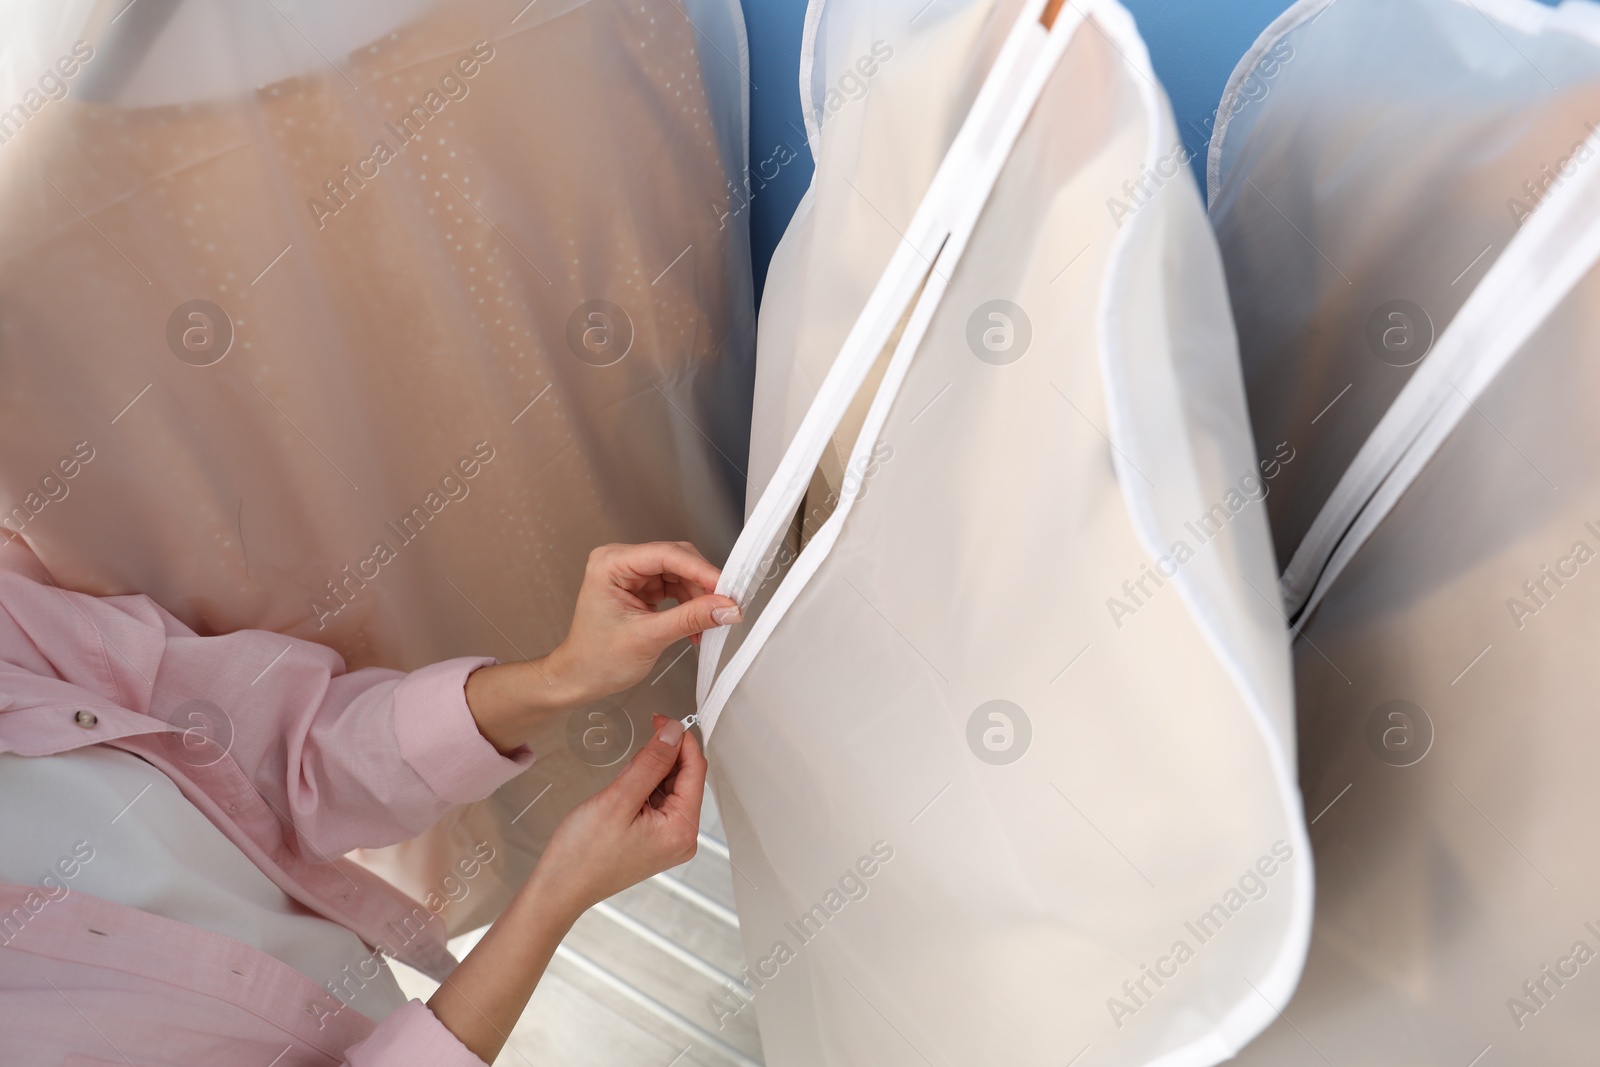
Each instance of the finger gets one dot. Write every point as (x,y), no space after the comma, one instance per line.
(683,592)
(688,546)
(653,590)
(685,620)
(686,589)
(636,562)
(648,768)
(659,797)
(689,782)
(609,565)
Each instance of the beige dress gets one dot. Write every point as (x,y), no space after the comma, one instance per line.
(374,345)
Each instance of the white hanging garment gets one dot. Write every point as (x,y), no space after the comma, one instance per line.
(1006,755)
(1410,217)
(364,322)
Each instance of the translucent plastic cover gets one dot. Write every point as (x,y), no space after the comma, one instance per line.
(1005,759)
(1410,218)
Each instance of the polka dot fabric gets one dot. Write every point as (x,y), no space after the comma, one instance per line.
(475,300)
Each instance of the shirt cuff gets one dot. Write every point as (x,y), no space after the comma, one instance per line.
(411,1036)
(439,738)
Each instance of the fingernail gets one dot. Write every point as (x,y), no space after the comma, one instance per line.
(671,733)
(727,616)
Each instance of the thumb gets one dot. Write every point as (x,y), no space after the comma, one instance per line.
(649,766)
(688,619)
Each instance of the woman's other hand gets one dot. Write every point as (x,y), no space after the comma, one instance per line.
(644,822)
(616,637)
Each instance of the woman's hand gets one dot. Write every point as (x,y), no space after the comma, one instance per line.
(617,635)
(644,822)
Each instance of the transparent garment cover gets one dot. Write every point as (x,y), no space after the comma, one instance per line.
(364,322)
(1408,205)
(996,790)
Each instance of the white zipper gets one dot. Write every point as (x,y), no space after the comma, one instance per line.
(1546,259)
(1557,247)
(938,234)
(1551,254)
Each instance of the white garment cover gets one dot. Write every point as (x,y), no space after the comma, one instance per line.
(1409,209)
(997,791)
(365,321)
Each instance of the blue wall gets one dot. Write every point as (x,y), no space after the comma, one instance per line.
(773,27)
(1194,47)
(1193,43)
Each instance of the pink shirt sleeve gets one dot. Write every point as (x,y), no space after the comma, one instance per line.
(351,758)
(411,1037)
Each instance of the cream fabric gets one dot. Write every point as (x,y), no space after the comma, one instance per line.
(924,875)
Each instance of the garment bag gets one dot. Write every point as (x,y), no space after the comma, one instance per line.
(1408,205)
(1005,757)
(364,322)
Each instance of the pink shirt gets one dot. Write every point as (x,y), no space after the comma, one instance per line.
(306,762)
